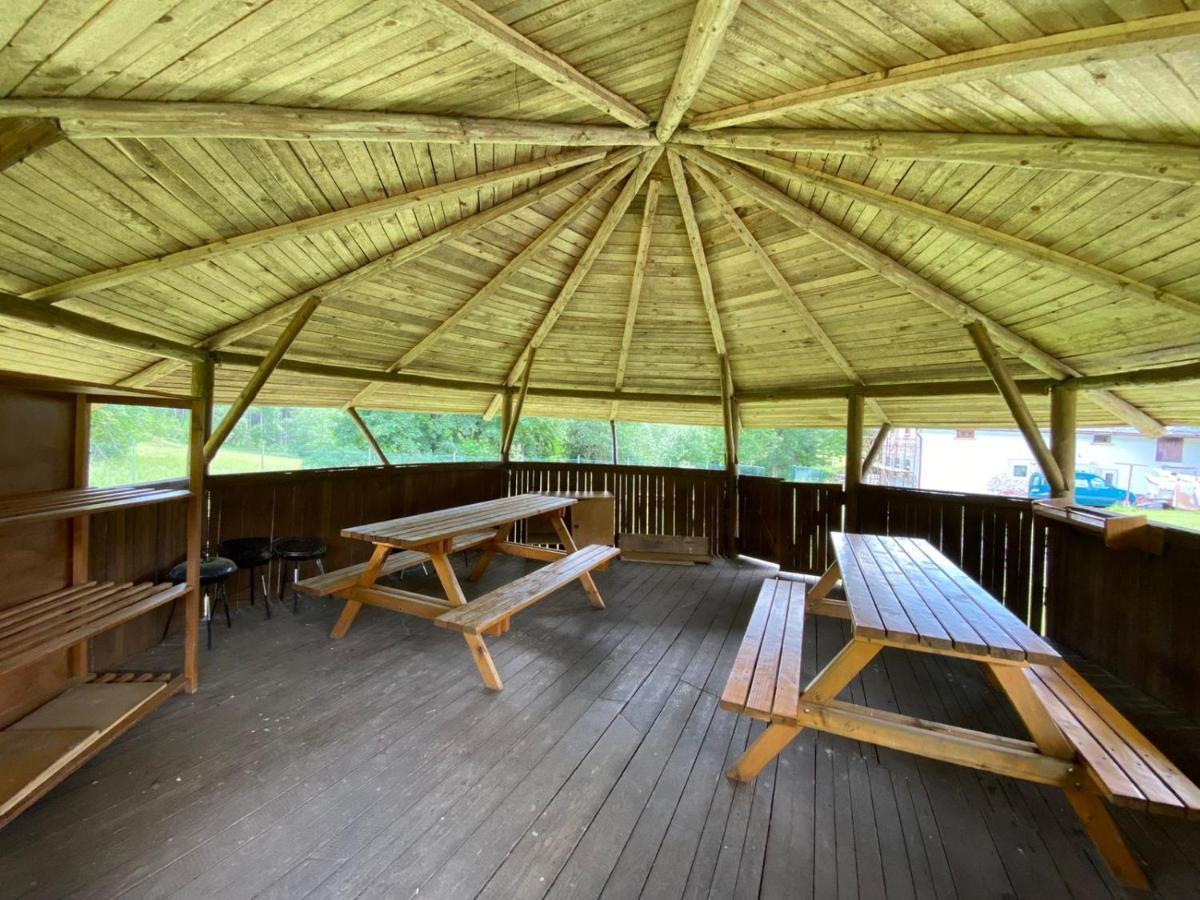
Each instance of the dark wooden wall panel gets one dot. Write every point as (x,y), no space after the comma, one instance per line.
(1134,613)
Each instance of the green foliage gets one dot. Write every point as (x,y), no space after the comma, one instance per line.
(139,443)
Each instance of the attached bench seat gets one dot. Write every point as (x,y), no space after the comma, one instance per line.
(340,580)
(765,680)
(490,610)
(1121,761)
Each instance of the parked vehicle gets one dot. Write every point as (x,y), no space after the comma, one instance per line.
(1090,490)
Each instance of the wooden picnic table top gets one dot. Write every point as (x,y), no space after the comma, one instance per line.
(429,528)
(903,591)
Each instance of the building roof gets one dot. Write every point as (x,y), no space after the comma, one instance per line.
(460,184)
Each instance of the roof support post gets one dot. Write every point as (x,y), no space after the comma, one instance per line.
(1016,405)
(1062,438)
(876,446)
(368,434)
(259,378)
(504,401)
(612,428)
(729,419)
(201,421)
(854,459)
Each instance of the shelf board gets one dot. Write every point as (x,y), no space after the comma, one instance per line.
(54,622)
(42,749)
(68,504)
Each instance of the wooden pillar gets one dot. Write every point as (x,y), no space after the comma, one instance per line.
(506,411)
(612,427)
(729,419)
(854,455)
(1063,404)
(80,525)
(201,422)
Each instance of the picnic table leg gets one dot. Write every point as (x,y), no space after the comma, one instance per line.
(1088,805)
(489,552)
(1104,833)
(830,681)
(568,542)
(351,609)
(438,555)
(816,600)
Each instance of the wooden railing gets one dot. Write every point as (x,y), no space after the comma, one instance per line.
(648,500)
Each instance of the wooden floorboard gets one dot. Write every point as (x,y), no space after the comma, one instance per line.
(378,766)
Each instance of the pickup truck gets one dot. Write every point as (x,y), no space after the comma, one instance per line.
(1090,490)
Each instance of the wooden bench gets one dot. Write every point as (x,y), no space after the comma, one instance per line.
(1121,762)
(1086,747)
(494,609)
(341,580)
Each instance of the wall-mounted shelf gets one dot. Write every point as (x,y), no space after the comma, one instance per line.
(46,746)
(1119,531)
(57,621)
(68,504)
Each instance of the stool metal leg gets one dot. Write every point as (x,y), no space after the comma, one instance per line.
(225,603)
(211,604)
(295,593)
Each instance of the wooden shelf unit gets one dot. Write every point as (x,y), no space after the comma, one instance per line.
(86,711)
(68,504)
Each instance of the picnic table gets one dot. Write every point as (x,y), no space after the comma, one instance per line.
(902,593)
(432,537)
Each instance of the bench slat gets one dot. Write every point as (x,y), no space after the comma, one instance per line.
(766,669)
(1129,775)
(737,686)
(787,689)
(341,579)
(479,615)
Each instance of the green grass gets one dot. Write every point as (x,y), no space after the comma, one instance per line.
(1179,518)
(156,460)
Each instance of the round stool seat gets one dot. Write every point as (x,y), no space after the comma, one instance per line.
(300,548)
(213,569)
(248,552)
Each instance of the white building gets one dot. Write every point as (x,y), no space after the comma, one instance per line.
(995,461)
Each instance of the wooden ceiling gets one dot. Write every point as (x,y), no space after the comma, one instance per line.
(822,193)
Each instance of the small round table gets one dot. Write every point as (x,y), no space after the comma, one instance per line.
(251,553)
(295,551)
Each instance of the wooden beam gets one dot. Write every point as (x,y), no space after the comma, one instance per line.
(505,402)
(639,275)
(883,265)
(952,388)
(264,371)
(533,249)
(1022,249)
(697,245)
(82,118)
(408,379)
(1016,405)
(1062,437)
(777,277)
(730,421)
(514,418)
(876,447)
(1175,163)
(65,321)
(1106,43)
(584,265)
(368,434)
(612,427)
(374,209)
(380,266)
(1137,377)
(854,459)
(22,136)
(709,21)
(489,32)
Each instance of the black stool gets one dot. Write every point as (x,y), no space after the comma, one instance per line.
(214,571)
(250,553)
(294,551)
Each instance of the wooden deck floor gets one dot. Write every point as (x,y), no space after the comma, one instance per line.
(377,766)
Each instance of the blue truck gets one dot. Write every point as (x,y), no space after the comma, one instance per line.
(1090,490)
